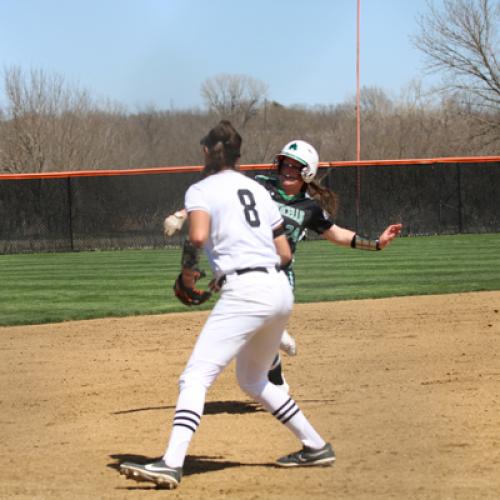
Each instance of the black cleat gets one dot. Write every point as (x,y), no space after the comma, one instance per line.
(157,472)
(308,456)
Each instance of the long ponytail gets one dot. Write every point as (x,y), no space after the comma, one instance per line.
(327,199)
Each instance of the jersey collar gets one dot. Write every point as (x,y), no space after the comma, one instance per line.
(289,197)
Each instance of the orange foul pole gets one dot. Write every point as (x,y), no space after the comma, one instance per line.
(358,122)
(358,112)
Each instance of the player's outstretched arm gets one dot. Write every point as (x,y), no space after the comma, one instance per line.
(345,237)
(339,235)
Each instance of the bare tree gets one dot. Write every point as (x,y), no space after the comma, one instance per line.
(462,40)
(49,125)
(235,97)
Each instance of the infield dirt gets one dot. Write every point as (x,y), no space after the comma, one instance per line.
(406,389)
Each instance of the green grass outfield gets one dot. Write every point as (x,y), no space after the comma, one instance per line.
(41,288)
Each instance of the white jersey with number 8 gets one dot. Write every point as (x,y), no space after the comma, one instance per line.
(242,216)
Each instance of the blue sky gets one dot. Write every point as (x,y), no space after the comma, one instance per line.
(158,52)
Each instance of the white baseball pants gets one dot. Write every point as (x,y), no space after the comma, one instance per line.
(246,323)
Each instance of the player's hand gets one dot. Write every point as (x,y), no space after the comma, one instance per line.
(173,223)
(389,234)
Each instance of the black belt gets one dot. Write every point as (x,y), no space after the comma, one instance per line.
(251,270)
(245,270)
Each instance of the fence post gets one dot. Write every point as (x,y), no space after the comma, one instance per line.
(70,212)
(460,201)
(358,199)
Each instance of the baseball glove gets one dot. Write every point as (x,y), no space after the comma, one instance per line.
(190,296)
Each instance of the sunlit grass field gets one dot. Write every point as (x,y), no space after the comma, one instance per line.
(53,287)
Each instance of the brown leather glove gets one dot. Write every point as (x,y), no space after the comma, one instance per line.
(191,296)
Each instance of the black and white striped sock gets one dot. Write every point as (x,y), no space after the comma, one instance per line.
(292,417)
(187,418)
(286,411)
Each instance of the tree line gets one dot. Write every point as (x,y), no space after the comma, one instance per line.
(48,125)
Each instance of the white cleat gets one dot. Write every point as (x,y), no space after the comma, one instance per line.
(288,344)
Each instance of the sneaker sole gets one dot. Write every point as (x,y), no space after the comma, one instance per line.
(139,475)
(321,462)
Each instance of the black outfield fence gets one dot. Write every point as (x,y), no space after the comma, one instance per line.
(433,198)
(125,209)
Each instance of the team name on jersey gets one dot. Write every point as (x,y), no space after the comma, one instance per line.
(295,214)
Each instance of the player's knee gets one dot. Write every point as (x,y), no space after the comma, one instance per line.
(199,375)
(192,380)
(252,388)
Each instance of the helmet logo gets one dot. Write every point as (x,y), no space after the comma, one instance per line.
(293,146)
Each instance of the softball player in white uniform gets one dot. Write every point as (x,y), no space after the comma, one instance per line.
(240,228)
